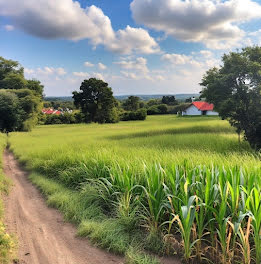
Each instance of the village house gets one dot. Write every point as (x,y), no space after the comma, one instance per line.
(199,108)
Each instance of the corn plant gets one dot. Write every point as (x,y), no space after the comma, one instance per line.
(253,204)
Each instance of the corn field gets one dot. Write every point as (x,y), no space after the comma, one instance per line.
(187,181)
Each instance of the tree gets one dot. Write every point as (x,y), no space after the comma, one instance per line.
(10,112)
(169,100)
(132,103)
(96,101)
(36,86)
(13,81)
(30,105)
(235,90)
(8,67)
(29,93)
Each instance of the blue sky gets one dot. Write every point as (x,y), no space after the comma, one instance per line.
(137,46)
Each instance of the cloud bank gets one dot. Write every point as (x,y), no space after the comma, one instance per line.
(66,19)
(212,22)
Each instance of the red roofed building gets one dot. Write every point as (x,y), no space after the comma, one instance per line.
(200,108)
(50,111)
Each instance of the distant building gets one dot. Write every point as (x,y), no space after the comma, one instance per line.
(50,111)
(199,108)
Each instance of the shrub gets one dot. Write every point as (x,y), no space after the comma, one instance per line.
(140,114)
(158,110)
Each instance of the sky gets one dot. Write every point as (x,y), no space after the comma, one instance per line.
(137,46)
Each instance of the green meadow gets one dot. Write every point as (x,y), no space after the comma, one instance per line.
(169,185)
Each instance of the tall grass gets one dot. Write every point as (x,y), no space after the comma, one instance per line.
(7,245)
(186,182)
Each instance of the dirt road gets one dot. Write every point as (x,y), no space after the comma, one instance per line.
(44,237)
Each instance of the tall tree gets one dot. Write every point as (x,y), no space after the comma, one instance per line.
(36,86)
(29,93)
(96,101)
(235,90)
(9,66)
(169,100)
(10,112)
(132,103)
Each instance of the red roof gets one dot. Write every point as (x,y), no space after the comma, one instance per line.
(203,106)
(50,111)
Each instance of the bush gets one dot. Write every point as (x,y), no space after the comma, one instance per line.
(140,114)
(158,110)
(177,108)
(65,118)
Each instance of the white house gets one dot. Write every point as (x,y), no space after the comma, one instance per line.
(200,108)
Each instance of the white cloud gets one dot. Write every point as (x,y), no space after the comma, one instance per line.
(180,59)
(139,64)
(88,64)
(44,71)
(66,19)
(133,40)
(9,27)
(28,71)
(101,66)
(98,75)
(81,74)
(60,71)
(212,22)
(87,75)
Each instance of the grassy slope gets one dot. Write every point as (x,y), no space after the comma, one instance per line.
(7,245)
(72,155)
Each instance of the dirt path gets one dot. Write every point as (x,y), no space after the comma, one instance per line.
(44,237)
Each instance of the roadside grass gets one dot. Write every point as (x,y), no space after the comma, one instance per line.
(167,185)
(85,211)
(7,242)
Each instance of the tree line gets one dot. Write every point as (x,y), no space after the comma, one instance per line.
(234,88)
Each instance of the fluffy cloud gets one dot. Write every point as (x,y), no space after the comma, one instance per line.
(179,59)
(45,71)
(213,22)
(81,74)
(66,19)
(139,65)
(9,27)
(101,66)
(88,64)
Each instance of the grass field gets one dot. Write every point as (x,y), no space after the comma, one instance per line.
(167,185)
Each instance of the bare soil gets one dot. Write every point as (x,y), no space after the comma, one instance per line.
(42,234)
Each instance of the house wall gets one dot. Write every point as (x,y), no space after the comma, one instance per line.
(212,113)
(192,110)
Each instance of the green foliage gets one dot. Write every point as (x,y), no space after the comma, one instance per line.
(235,90)
(58,104)
(96,102)
(13,81)
(140,114)
(169,100)
(10,112)
(9,67)
(64,118)
(35,86)
(28,97)
(132,103)
(29,107)
(157,109)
